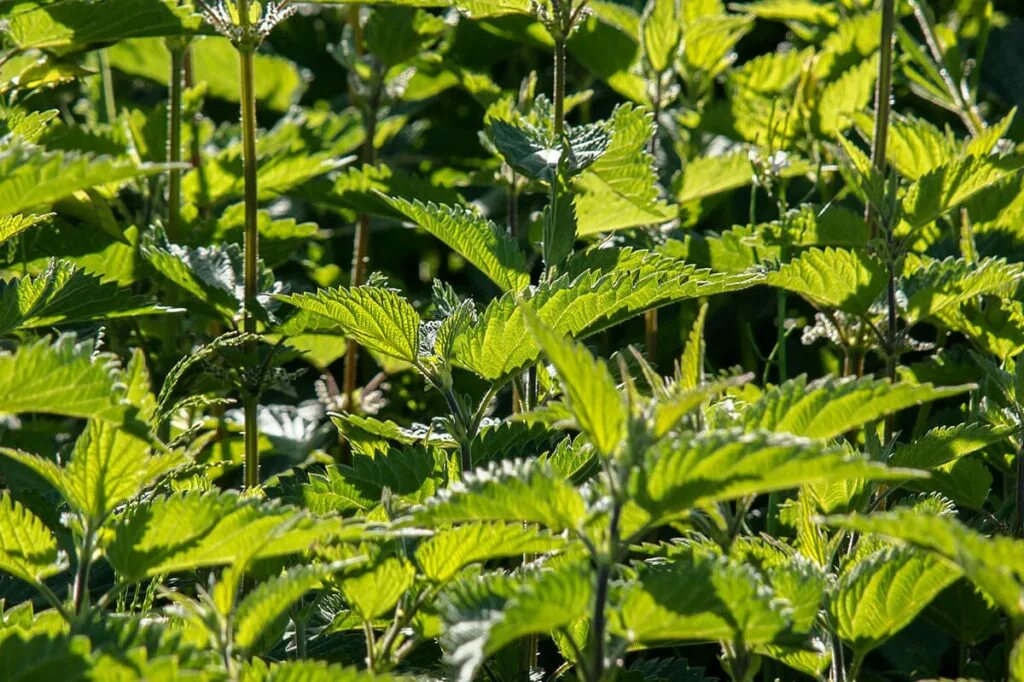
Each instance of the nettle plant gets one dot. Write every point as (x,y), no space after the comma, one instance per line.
(677,341)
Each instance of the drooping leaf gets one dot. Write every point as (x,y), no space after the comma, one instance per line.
(29,178)
(830,407)
(477,239)
(60,377)
(698,600)
(948,186)
(79,22)
(884,592)
(509,491)
(833,278)
(261,607)
(945,444)
(620,190)
(185,531)
(13,225)
(692,469)
(64,294)
(28,549)
(992,563)
(374,592)
(377,318)
(442,556)
(660,32)
(593,397)
(483,616)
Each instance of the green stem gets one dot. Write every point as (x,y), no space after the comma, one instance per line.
(600,617)
(175,87)
(967,112)
(855,666)
(361,244)
(883,111)
(80,589)
(107,81)
(559,93)
(247,64)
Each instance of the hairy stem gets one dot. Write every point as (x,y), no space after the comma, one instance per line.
(361,244)
(107,85)
(175,87)
(604,573)
(247,64)
(80,588)
(559,91)
(883,112)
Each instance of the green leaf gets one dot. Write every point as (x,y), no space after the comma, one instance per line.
(690,470)
(995,564)
(593,396)
(849,94)
(261,607)
(374,592)
(948,186)
(28,549)
(65,294)
(584,303)
(472,236)
(620,190)
(192,530)
(46,657)
(482,616)
(110,466)
(377,318)
(61,377)
(30,178)
(691,365)
(698,600)
(79,22)
(846,279)
(442,556)
(510,491)
(830,407)
(935,287)
(660,33)
(883,592)
(916,147)
(13,225)
(945,444)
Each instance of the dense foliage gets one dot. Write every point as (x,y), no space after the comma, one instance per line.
(511,340)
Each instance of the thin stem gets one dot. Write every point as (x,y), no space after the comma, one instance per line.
(967,112)
(604,572)
(883,112)
(855,666)
(107,81)
(247,63)
(80,590)
(175,87)
(361,245)
(559,93)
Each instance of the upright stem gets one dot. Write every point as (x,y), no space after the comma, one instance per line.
(651,316)
(361,244)
(604,573)
(107,80)
(80,589)
(247,61)
(883,111)
(175,87)
(559,92)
